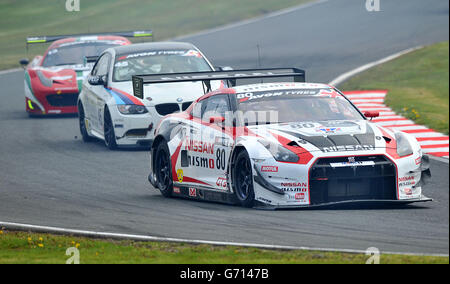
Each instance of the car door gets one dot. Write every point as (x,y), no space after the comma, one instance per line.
(88,102)
(193,160)
(217,139)
(98,94)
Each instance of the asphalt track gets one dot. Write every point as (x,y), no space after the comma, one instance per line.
(48,176)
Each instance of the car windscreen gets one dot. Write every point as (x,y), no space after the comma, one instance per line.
(74,53)
(158,62)
(297,105)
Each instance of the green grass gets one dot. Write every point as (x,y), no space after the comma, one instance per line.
(33,248)
(417,82)
(22,18)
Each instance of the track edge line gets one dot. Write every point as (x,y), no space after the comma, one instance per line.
(251,20)
(105,235)
(347,75)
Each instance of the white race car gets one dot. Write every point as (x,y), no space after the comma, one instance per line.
(108,110)
(281,145)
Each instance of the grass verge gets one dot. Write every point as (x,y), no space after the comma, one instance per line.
(34,248)
(22,18)
(418,85)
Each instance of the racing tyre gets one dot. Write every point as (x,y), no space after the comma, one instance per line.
(163,170)
(243,179)
(110,135)
(82,122)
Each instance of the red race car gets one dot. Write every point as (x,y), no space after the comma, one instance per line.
(53,81)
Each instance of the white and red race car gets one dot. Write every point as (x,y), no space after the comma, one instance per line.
(53,81)
(280,145)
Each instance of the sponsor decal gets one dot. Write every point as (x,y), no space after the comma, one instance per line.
(418,161)
(345,148)
(406,181)
(352,163)
(249,96)
(176,190)
(264,200)
(328,130)
(294,189)
(408,191)
(302,125)
(269,169)
(192,192)
(199,146)
(221,182)
(180,175)
(406,178)
(159,52)
(219,162)
(300,196)
(201,162)
(294,184)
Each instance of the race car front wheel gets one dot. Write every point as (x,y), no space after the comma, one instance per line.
(163,170)
(243,179)
(83,128)
(110,135)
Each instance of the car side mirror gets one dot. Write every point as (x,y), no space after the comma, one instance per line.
(217,119)
(371,114)
(24,62)
(96,80)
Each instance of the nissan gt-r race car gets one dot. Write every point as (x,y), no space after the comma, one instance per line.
(109,111)
(281,145)
(53,81)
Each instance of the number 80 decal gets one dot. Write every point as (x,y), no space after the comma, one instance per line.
(221,162)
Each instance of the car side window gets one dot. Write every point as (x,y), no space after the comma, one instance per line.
(216,106)
(197,109)
(101,68)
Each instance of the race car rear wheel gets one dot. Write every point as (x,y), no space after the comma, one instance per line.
(243,179)
(83,128)
(109,133)
(163,170)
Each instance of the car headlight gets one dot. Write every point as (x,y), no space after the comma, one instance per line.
(279,153)
(132,109)
(403,146)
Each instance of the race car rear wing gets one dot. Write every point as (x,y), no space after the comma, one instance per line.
(46,39)
(206,77)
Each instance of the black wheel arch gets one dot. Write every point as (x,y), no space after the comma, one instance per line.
(236,150)
(158,140)
(240,152)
